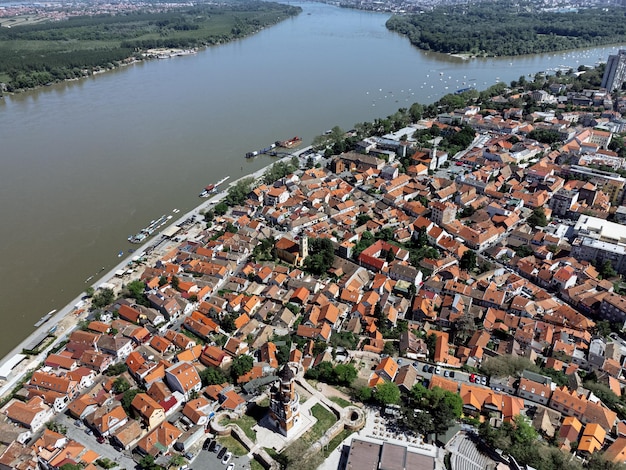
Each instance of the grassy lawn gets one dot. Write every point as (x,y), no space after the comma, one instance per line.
(340,401)
(325,419)
(233,445)
(245,423)
(332,445)
(291,457)
(254,465)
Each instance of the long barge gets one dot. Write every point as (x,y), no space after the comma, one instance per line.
(154,225)
(45,318)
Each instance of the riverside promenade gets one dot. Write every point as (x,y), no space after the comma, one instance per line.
(66,320)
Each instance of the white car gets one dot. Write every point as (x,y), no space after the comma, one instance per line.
(231,466)
(438,370)
(483,380)
(227,457)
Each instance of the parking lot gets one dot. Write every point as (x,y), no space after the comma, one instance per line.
(208,460)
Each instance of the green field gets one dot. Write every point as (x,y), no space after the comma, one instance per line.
(43,53)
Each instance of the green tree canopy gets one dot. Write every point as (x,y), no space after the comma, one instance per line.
(241,365)
(387,393)
(212,376)
(538,218)
(120,385)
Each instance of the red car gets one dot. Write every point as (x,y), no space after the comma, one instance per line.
(472,378)
(100,439)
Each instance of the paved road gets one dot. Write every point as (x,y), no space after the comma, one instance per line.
(89,441)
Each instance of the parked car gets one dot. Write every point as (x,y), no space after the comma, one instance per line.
(446,373)
(227,457)
(483,380)
(222,452)
(88,431)
(438,370)
(207,443)
(213,446)
(188,455)
(425,368)
(472,378)
(451,374)
(231,466)
(78,423)
(431,369)
(100,439)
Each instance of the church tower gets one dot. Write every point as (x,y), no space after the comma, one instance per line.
(284,401)
(304,249)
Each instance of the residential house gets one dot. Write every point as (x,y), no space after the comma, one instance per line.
(183,377)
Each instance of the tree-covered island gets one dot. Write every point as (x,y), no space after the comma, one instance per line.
(503,28)
(48,52)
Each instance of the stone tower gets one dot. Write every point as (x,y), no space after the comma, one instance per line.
(284,401)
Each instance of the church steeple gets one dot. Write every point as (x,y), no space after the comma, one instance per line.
(284,401)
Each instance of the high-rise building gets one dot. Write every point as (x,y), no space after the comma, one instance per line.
(615,72)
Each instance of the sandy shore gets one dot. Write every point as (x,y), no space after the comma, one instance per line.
(67,318)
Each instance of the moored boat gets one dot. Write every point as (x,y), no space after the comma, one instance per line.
(291,143)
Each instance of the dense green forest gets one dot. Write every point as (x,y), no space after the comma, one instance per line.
(44,53)
(504,28)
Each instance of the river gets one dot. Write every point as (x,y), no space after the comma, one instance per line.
(85,164)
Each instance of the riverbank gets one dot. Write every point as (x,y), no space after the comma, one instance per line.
(41,55)
(14,366)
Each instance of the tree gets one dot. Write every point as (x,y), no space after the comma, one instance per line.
(102,298)
(464,327)
(468,260)
(128,397)
(321,255)
(212,376)
(431,342)
(221,208)
(538,218)
(282,353)
(606,270)
(116,369)
(364,394)
(387,393)
(176,461)
(227,323)
(120,385)
(147,462)
(603,327)
(523,251)
(345,374)
(71,466)
(241,365)
(137,291)
(390,348)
